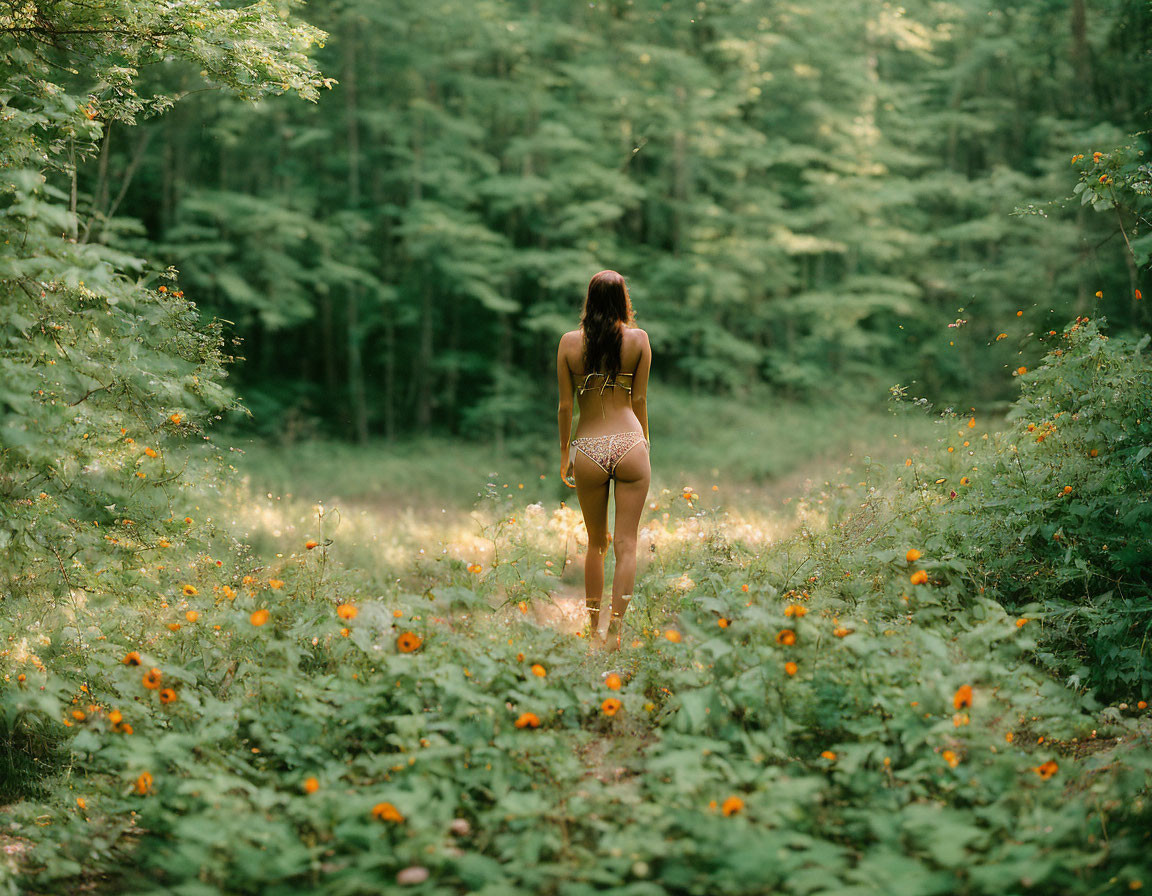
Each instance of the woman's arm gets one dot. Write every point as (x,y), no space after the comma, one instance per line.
(564,414)
(640,385)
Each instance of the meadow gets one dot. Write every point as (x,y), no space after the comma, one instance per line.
(872,670)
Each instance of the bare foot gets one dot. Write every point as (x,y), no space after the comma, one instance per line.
(614,635)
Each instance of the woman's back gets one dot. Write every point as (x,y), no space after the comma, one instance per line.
(605,399)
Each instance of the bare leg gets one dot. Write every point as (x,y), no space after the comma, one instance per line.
(592,492)
(633,475)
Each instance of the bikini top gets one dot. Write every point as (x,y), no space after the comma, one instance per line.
(627,387)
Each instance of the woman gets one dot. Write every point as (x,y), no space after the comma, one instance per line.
(606,362)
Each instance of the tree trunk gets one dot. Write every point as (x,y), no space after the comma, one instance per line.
(358,404)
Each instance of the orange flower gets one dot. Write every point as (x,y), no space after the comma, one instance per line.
(1047,770)
(387,812)
(528,720)
(475,568)
(796,610)
(732,805)
(611,706)
(345,632)
(407,642)
(1142,704)
(963,696)
(167,696)
(126,728)
(346,611)
(964,480)
(538,670)
(152,679)
(1093,452)
(175,626)
(744,588)
(1138,296)
(131,659)
(829,755)
(115,717)
(1021,371)
(520,657)
(613,682)
(311,785)
(971,422)
(913,555)
(790,667)
(190,591)
(397,613)
(21,677)
(1009,736)
(841,632)
(191,615)
(78,715)
(673,636)
(919,577)
(522,606)
(151,452)
(275,584)
(951,758)
(259,617)
(143,783)
(80,802)
(722,622)
(309,545)
(786,636)
(1021,622)
(247,580)
(175,418)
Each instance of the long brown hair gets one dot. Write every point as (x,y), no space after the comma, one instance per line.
(606,308)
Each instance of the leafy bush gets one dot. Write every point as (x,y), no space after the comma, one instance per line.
(1056,512)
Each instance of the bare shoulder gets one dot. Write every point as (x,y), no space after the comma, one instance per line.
(570,345)
(637,336)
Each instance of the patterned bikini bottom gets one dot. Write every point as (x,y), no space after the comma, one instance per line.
(606,451)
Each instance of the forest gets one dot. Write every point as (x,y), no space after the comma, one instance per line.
(292,598)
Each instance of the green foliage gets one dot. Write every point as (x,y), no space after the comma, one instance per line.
(1055,514)
(724,769)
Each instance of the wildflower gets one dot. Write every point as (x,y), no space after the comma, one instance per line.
(143,783)
(1019,313)
(796,610)
(1009,737)
(722,622)
(732,805)
(913,555)
(744,588)
(1047,770)
(520,657)
(611,706)
(522,606)
(151,452)
(971,422)
(1001,336)
(115,717)
(347,611)
(613,682)
(259,617)
(538,670)
(951,758)
(167,696)
(386,812)
(174,626)
(131,659)
(919,577)
(311,785)
(1021,622)
(275,584)
(841,631)
(228,592)
(829,755)
(309,545)
(1142,704)
(78,715)
(408,642)
(790,667)
(190,591)
(786,636)
(1067,489)
(80,802)
(152,679)
(21,677)
(1099,294)
(1093,452)
(345,632)
(673,636)
(528,720)
(191,615)
(475,567)
(960,718)
(1138,296)
(963,696)
(1020,371)
(175,418)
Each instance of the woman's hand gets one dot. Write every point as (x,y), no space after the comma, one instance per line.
(565,471)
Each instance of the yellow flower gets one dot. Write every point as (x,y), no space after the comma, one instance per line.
(387,812)
(190,591)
